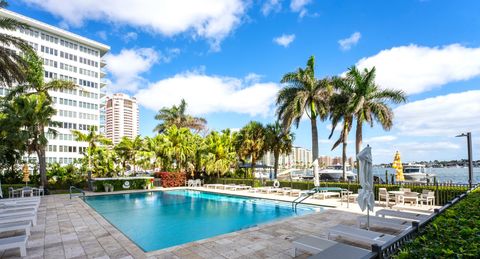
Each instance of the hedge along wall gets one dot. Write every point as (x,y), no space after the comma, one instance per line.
(172,179)
(120,184)
(443,194)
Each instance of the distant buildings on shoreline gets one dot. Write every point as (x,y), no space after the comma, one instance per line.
(298,158)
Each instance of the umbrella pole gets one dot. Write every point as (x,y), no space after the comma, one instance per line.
(368,219)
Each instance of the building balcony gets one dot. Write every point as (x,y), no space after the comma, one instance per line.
(103,63)
(102,74)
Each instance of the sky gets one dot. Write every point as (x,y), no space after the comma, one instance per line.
(226,59)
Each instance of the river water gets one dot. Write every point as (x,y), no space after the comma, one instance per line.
(452,174)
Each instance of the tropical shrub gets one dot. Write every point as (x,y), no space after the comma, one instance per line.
(171,179)
(453,234)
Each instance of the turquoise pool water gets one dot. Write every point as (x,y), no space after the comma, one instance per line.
(156,220)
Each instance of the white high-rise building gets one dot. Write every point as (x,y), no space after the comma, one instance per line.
(71,57)
(121,117)
(298,158)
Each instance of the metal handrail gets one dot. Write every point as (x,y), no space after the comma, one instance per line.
(80,192)
(302,198)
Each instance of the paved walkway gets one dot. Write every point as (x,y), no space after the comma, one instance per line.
(71,229)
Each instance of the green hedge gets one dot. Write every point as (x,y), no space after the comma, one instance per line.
(443,194)
(453,234)
(135,184)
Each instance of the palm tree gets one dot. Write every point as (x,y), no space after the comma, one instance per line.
(177,116)
(94,140)
(33,113)
(370,102)
(12,65)
(341,112)
(250,143)
(180,147)
(35,82)
(279,141)
(304,94)
(128,150)
(220,153)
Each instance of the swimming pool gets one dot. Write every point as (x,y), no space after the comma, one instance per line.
(157,220)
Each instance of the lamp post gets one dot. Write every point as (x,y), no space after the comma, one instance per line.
(470,159)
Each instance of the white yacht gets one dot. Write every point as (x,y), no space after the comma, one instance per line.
(335,172)
(416,173)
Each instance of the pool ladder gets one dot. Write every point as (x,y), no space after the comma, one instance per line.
(76,192)
(302,198)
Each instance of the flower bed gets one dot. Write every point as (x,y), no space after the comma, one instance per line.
(454,234)
(122,183)
(172,179)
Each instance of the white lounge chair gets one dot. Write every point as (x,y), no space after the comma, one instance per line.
(359,235)
(18,212)
(18,225)
(401,214)
(391,223)
(15,242)
(22,217)
(411,197)
(323,248)
(18,207)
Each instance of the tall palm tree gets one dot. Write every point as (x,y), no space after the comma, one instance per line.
(279,141)
(12,65)
(35,82)
(94,140)
(341,111)
(304,94)
(34,112)
(370,102)
(176,115)
(179,147)
(129,148)
(250,143)
(220,153)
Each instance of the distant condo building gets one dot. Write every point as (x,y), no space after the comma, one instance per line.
(70,57)
(337,160)
(121,117)
(298,158)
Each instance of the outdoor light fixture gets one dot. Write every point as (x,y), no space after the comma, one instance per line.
(470,157)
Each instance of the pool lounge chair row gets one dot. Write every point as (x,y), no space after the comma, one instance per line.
(326,248)
(233,187)
(17,214)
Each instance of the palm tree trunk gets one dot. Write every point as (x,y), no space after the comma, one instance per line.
(344,151)
(276,156)
(42,166)
(358,143)
(314,138)
(254,161)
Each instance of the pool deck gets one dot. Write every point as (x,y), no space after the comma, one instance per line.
(69,228)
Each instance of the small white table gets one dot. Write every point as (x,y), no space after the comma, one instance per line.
(397,194)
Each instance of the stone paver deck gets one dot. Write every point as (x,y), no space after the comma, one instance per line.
(72,229)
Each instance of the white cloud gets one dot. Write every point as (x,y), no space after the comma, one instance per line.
(209,19)
(252,78)
(130,36)
(208,94)
(284,40)
(442,116)
(270,6)
(299,6)
(416,69)
(348,43)
(102,35)
(380,139)
(126,67)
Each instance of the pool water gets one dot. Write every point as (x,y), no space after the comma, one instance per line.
(156,220)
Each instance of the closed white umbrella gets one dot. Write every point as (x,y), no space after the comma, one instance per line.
(366,199)
(316,174)
(1,192)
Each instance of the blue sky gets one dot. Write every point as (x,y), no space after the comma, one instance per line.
(226,58)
